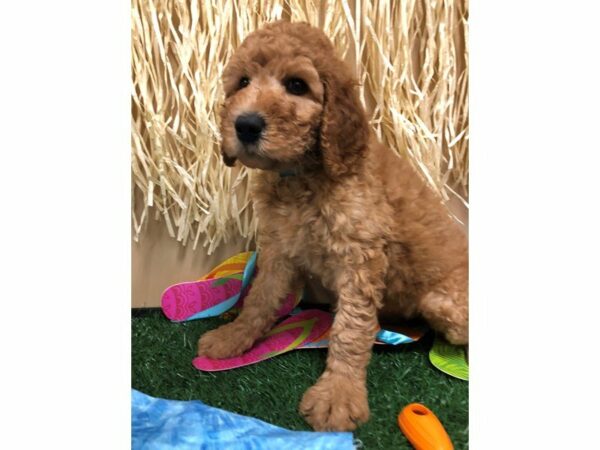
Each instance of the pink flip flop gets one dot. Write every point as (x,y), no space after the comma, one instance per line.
(213,294)
(222,289)
(306,326)
(201,299)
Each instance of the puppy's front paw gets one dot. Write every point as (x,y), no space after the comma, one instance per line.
(227,341)
(335,403)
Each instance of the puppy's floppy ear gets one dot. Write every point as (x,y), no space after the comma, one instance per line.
(344,128)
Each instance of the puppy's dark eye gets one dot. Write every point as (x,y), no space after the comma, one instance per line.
(296,86)
(244,81)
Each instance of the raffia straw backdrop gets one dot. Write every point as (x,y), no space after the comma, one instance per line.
(409,56)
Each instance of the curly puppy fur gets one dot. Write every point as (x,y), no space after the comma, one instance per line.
(354,217)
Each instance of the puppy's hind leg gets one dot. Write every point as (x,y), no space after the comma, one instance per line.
(446,307)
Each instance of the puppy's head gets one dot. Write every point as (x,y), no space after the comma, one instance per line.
(290,102)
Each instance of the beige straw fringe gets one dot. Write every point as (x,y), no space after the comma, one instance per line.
(410,58)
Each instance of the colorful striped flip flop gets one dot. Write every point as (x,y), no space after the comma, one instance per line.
(292,333)
(219,291)
(211,295)
(395,335)
(304,330)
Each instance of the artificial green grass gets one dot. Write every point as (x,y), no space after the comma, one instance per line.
(162,354)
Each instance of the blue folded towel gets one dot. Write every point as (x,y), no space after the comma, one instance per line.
(169,424)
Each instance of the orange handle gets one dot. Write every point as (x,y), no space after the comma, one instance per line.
(423,429)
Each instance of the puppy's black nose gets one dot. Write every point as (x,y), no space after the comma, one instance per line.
(249,127)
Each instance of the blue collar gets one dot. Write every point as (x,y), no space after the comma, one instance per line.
(287,173)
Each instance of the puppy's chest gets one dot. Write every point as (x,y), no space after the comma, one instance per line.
(300,224)
(313,227)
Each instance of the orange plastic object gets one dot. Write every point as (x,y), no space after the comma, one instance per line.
(423,429)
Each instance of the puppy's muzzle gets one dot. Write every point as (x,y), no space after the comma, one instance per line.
(249,127)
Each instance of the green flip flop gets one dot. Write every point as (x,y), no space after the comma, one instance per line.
(450,359)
